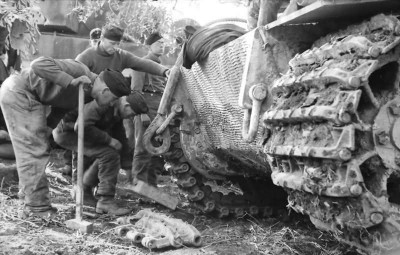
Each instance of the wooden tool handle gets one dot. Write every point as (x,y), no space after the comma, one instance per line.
(81,128)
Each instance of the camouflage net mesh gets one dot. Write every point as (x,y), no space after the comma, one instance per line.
(213,86)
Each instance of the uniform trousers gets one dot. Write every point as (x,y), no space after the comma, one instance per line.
(144,165)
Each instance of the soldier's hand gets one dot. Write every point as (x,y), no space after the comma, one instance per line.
(67,126)
(115,144)
(81,80)
(145,120)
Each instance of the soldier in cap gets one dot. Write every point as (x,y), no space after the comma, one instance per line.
(23,100)
(94,35)
(101,148)
(107,54)
(145,166)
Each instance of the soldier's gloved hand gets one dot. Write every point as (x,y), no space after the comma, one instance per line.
(81,80)
(145,120)
(115,144)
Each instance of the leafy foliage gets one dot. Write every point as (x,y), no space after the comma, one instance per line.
(20,19)
(139,18)
(85,9)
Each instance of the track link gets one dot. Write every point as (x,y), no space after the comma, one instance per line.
(333,131)
(235,196)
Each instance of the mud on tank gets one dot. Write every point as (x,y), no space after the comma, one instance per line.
(303,111)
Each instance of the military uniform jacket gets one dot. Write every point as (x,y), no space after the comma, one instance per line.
(149,82)
(100,123)
(49,81)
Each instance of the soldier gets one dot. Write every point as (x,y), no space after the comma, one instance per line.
(144,165)
(262,12)
(95,35)
(101,149)
(68,155)
(106,54)
(23,99)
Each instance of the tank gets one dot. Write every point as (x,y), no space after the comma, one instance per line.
(302,112)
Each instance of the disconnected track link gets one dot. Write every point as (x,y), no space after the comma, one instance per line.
(333,134)
(230,196)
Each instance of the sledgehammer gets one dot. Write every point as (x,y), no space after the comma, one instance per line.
(78,223)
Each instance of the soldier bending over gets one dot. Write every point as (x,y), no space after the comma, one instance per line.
(23,100)
(101,148)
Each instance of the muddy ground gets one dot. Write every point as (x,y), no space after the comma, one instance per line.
(244,236)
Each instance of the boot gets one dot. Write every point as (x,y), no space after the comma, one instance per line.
(88,197)
(46,212)
(107,204)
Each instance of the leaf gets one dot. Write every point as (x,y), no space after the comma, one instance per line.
(20,10)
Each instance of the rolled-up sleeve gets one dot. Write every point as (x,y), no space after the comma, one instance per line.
(143,65)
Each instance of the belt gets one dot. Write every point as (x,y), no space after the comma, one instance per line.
(153,92)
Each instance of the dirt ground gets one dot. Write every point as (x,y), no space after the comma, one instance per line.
(244,236)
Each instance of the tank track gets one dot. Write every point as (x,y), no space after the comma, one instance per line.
(332,134)
(234,196)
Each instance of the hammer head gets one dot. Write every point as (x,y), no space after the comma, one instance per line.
(81,225)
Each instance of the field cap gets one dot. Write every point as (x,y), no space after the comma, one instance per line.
(137,102)
(113,33)
(154,37)
(116,82)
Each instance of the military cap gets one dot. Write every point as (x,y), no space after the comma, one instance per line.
(95,33)
(154,37)
(116,82)
(112,32)
(137,102)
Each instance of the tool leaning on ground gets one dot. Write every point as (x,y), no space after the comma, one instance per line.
(78,223)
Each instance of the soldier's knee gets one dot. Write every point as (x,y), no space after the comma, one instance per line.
(66,140)
(57,136)
(111,154)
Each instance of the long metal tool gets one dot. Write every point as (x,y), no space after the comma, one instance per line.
(162,112)
(78,223)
